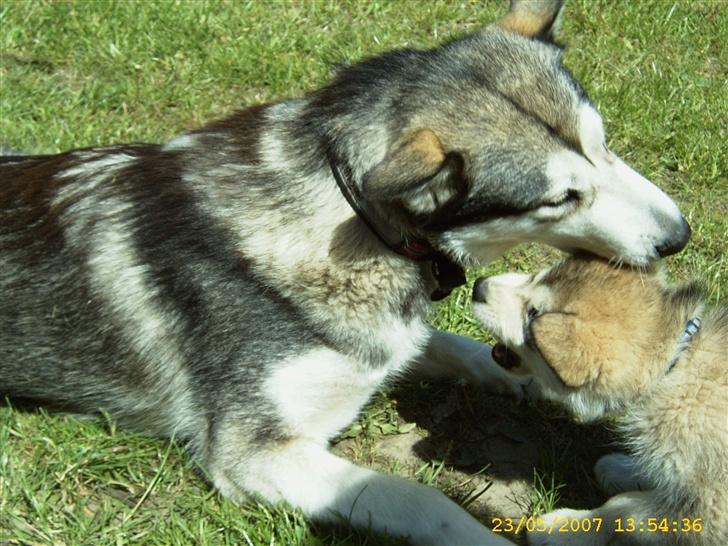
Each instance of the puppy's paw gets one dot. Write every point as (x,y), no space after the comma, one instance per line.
(566,527)
(617,473)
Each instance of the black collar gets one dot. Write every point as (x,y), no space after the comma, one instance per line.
(447,273)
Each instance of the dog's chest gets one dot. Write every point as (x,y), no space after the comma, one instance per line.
(318,393)
(401,342)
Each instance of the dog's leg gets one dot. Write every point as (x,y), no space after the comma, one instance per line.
(618,472)
(327,488)
(452,356)
(623,520)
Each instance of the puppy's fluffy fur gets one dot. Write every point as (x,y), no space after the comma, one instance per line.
(597,338)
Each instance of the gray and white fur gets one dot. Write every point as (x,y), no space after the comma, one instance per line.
(221,289)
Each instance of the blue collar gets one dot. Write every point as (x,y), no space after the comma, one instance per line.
(691,328)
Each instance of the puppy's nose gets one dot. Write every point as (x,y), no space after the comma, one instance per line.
(480,288)
(676,242)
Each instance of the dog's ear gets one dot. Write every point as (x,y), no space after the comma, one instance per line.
(579,351)
(538,19)
(419,173)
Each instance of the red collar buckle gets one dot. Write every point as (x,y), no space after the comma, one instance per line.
(418,251)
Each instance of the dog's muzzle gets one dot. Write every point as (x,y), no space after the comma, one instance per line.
(480,289)
(677,242)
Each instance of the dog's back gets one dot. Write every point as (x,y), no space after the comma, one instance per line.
(67,254)
(102,308)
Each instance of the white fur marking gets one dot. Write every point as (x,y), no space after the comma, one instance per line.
(121,279)
(182,142)
(321,392)
(591,134)
(98,169)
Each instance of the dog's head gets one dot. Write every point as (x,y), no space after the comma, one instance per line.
(592,336)
(488,141)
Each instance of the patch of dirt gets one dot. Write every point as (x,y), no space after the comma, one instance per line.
(488,448)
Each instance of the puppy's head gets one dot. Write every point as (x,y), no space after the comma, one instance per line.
(593,336)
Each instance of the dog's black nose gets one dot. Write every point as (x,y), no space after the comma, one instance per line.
(677,242)
(480,289)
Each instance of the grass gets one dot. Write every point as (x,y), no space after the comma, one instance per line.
(95,72)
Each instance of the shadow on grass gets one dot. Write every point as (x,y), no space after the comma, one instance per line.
(471,430)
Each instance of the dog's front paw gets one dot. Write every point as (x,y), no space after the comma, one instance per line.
(457,357)
(508,381)
(494,379)
(567,527)
(516,387)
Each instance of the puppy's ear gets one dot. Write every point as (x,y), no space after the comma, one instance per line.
(538,19)
(579,351)
(418,173)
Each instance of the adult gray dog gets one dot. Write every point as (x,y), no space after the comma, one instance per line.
(248,286)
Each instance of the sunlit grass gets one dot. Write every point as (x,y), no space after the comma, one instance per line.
(88,73)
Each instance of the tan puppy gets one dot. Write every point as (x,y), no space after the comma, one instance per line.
(597,338)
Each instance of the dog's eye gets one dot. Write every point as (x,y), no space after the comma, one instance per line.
(570,196)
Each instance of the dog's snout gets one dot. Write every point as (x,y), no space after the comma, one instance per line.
(480,289)
(676,242)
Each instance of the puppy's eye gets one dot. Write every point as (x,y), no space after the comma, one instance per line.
(567,198)
(532,312)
